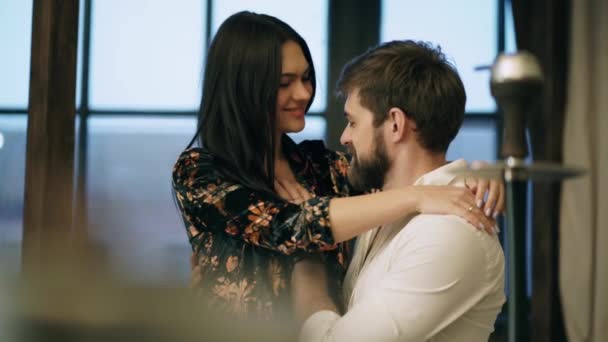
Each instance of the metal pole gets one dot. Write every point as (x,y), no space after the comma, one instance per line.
(516,85)
(516,237)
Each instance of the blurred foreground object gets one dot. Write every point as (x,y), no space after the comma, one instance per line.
(84,303)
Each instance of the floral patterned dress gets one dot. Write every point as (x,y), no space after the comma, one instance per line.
(247,241)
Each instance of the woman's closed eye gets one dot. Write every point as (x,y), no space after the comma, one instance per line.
(285,83)
(287,79)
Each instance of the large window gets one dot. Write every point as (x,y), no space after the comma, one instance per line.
(140,70)
(465,30)
(146,54)
(468,33)
(146,69)
(130,208)
(12,175)
(15,38)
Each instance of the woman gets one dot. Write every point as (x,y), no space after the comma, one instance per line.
(252,200)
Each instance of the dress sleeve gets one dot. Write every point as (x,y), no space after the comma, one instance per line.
(338,168)
(211,204)
(330,165)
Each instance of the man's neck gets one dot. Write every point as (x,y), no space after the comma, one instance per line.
(408,166)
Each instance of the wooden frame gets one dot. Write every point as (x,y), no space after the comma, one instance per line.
(50,134)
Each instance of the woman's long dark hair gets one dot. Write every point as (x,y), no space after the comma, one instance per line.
(237,116)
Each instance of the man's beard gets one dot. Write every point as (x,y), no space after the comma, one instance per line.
(368,174)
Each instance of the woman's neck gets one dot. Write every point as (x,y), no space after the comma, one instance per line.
(282,169)
(278,149)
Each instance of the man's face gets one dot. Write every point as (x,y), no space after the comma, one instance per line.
(370,162)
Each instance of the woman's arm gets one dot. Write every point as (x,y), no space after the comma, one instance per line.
(354,215)
(211,204)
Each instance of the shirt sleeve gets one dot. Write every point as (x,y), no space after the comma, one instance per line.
(433,279)
(210,203)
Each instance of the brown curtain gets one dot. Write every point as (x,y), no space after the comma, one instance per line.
(542,27)
(584,211)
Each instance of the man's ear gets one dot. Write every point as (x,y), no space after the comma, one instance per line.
(401,127)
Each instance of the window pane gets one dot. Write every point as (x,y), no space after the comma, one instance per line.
(466,31)
(510,43)
(131,210)
(475,141)
(147,54)
(308,18)
(79,51)
(12,181)
(16,37)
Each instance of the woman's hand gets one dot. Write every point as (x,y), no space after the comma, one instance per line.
(453,200)
(494,189)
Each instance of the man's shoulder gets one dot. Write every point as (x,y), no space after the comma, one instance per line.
(445,231)
(450,242)
(431,224)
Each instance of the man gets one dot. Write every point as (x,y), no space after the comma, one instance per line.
(428,277)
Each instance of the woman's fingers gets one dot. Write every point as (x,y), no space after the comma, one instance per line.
(482,187)
(471,184)
(467,208)
(454,200)
(493,196)
(477,217)
(500,203)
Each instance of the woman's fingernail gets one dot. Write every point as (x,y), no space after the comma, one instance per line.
(488,212)
(479,203)
(481,226)
(495,215)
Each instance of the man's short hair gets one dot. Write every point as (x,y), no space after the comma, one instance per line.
(412,76)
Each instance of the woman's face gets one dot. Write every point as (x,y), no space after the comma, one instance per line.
(295,89)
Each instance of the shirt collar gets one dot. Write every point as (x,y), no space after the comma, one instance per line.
(443,175)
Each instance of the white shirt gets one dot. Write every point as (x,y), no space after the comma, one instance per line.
(430,277)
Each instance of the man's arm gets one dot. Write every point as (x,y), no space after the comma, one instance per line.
(437,274)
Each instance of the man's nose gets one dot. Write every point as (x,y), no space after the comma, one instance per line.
(345,137)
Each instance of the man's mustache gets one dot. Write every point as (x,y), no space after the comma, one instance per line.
(352,152)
